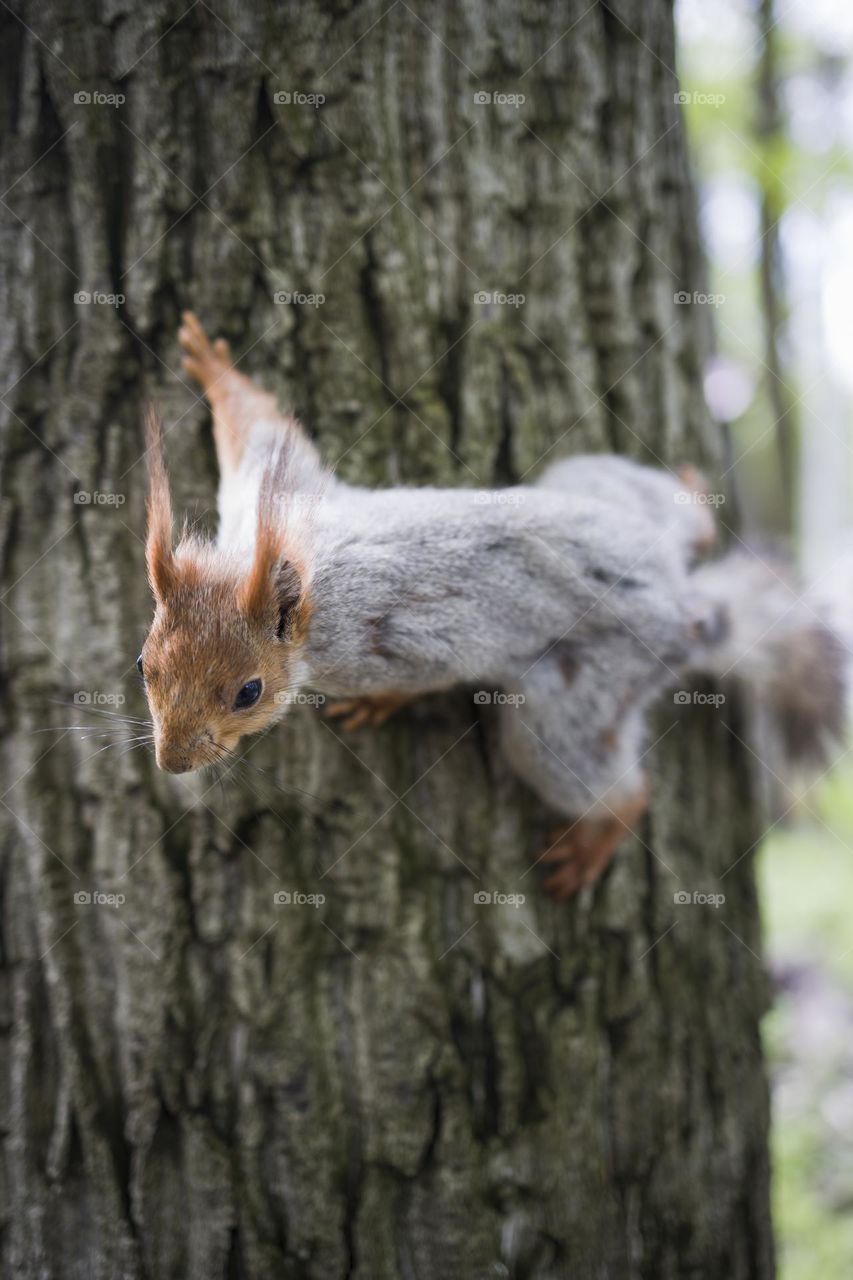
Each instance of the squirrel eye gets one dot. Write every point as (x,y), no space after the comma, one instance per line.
(248,695)
(139,665)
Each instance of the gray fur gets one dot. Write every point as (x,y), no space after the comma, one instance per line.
(572,603)
(778,643)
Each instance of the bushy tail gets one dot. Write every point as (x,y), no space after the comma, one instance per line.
(762,630)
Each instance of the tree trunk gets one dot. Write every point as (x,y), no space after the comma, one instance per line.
(201,1082)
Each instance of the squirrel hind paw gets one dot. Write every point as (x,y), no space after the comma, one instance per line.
(581,853)
(204,361)
(367,711)
(584,852)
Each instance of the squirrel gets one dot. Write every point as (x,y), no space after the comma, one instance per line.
(580,598)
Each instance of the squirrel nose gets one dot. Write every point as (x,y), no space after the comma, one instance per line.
(173,759)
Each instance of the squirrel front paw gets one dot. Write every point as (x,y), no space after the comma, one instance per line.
(368,711)
(205,361)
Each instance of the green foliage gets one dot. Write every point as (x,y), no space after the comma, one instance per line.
(806,879)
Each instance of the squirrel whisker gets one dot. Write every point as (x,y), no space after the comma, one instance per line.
(138,742)
(82,709)
(249,781)
(66,728)
(284,787)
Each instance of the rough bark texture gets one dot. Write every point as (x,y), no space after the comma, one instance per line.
(200,1083)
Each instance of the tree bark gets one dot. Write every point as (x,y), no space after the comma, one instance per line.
(770,142)
(200,1082)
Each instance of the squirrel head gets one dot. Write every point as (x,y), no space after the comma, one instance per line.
(223,649)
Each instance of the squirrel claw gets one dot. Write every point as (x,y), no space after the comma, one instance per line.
(372,711)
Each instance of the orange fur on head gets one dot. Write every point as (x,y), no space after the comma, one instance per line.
(218,627)
(159,554)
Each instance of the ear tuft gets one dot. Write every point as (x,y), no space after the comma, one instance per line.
(273,589)
(257,593)
(158,546)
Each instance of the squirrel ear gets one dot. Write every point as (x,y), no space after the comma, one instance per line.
(273,588)
(288,591)
(158,546)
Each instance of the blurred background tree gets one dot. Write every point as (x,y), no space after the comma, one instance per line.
(771,125)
